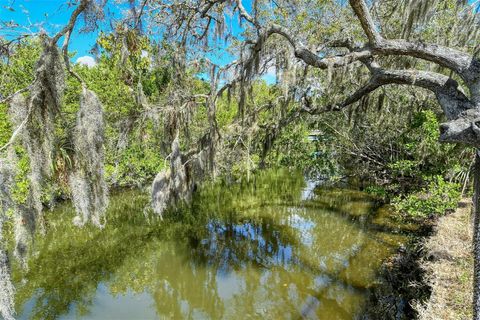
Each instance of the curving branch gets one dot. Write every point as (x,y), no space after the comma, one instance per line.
(138,18)
(312,59)
(245,15)
(10,97)
(303,53)
(361,10)
(19,129)
(67,59)
(67,32)
(462,63)
(467,67)
(73,19)
(452,100)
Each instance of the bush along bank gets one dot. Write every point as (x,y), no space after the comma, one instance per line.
(431,276)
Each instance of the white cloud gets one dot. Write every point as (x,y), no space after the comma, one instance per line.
(87,61)
(271,71)
(270,75)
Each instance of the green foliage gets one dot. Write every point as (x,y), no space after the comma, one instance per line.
(226,112)
(437,198)
(22,183)
(403,167)
(420,150)
(377,191)
(136,166)
(293,149)
(421,139)
(5,131)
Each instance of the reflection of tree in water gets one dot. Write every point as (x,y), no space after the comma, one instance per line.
(185,276)
(70,262)
(251,251)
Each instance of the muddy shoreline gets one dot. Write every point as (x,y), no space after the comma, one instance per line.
(404,281)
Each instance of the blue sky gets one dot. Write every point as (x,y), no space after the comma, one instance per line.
(52,15)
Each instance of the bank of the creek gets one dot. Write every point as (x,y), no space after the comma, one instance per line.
(277,247)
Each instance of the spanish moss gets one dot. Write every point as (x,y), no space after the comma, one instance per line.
(7,289)
(88,187)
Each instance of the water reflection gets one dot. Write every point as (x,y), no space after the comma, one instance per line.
(257,250)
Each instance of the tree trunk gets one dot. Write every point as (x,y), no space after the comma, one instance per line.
(476,237)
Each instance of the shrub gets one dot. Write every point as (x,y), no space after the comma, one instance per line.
(377,191)
(437,198)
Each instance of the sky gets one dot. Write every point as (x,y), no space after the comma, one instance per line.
(52,15)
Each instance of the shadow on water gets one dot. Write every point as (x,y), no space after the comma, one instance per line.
(262,249)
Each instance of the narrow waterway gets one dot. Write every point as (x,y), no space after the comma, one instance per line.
(278,247)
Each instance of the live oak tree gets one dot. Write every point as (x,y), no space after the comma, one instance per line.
(276,35)
(461,108)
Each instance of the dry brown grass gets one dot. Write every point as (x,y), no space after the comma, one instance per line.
(450,267)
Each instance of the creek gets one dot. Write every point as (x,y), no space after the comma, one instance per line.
(277,247)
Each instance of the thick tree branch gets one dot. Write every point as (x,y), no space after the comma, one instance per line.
(73,19)
(458,61)
(313,59)
(245,15)
(452,100)
(361,10)
(67,59)
(462,63)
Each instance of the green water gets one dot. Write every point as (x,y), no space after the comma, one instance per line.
(270,249)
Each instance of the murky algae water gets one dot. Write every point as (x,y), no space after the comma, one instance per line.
(274,248)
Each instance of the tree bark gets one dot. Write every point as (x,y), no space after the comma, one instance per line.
(476,237)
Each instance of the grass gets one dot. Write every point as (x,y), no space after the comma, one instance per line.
(449,265)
